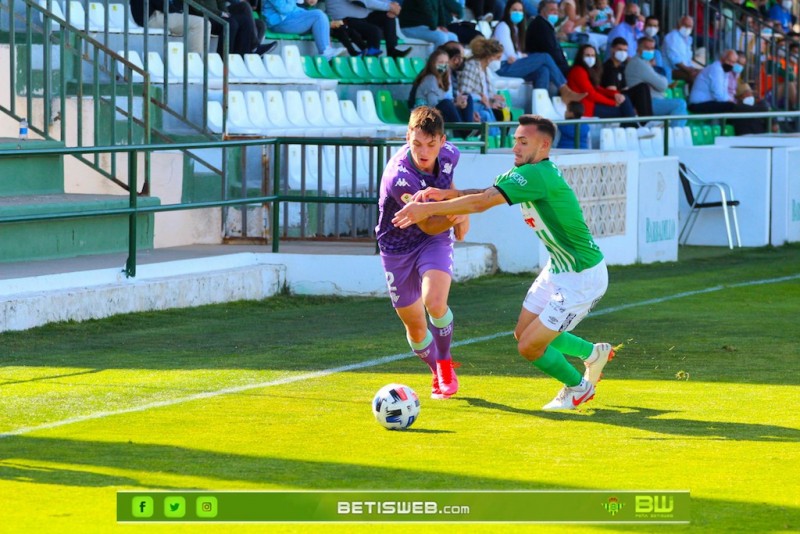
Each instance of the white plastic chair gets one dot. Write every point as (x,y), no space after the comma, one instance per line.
(621,139)
(632,139)
(257,112)
(175,70)
(156,68)
(238,71)
(312,105)
(559,106)
(687,136)
(276,111)
(97,18)
(133,57)
(77,17)
(276,70)
(55,10)
(657,141)
(607,139)
(542,105)
(196,67)
(365,104)
(116,20)
(215,117)
(504,82)
(351,116)
(238,118)
(255,65)
(295,112)
(332,109)
(696,192)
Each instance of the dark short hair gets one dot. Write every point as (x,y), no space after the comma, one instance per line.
(651,17)
(576,108)
(542,124)
(427,119)
(645,39)
(619,41)
(544,3)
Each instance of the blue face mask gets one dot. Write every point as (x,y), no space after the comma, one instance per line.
(648,55)
(517,17)
(552,19)
(737,68)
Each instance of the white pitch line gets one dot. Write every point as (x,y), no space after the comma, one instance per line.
(360,365)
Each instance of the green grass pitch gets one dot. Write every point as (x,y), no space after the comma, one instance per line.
(703,396)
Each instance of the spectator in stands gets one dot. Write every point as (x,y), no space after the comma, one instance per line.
(257,7)
(629,29)
(465,30)
(475,81)
(194,29)
(584,77)
(651,29)
(352,39)
(481,9)
(781,12)
(541,36)
(618,7)
(614,78)
(432,88)
(538,68)
(374,20)
(573,15)
(242,36)
(285,16)
(641,70)
(455,52)
(427,20)
(602,19)
(567,131)
(678,51)
(711,94)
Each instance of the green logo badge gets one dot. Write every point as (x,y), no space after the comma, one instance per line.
(174,507)
(613,506)
(142,506)
(206,507)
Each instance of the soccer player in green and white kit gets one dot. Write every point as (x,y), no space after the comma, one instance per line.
(575,276)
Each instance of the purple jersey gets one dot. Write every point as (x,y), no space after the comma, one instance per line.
(401,179)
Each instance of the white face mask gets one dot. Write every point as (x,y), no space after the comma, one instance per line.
(686,32)
(620,55)
(494,65)
(651,31)
(787,5)
(590,61)
(749,100)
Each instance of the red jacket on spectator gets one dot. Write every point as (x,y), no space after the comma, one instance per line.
(578,80)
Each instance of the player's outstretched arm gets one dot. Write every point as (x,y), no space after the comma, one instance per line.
(414,212)
(433,194)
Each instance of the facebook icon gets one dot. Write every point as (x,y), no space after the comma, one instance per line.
(142,507)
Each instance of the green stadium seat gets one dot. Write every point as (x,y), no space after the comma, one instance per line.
(273,36)
(708,135)
(515,112)
(325,70)
(419,64)
(697,136)
(376,70)
(390,67)
(716,130)
(310,68)
(406,68)
(401,110)
(384,105)
(345,71)
(359,67)
(729,131)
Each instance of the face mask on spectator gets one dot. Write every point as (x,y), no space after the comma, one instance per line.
(639,25)
(766,32)
(631,19)
(726,67)
(648,55)
(686,32)
(442,67)
(590,61)
(749,100)
(552,19)
(737,68)
(620,55)
(517,17)
(494,65)
(651,31)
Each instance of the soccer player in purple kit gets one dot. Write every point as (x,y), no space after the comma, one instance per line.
(418,260)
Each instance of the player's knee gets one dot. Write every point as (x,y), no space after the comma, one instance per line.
(436,307)
(530,351)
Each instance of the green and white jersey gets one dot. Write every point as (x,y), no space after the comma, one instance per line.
(550,207)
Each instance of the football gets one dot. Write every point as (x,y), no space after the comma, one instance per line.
(396,406)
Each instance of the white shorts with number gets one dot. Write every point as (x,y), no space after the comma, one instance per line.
(562,300)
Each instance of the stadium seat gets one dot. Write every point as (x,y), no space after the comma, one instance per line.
(196,71)
(365,104)
(134,58)
(515,112)
(155,67)
(257,113)
(418,64)
(716,131)
(390,67)
(385,107)
(315,115)
(352,69)
(401,110)
(351,116)
(542,105)
(646,146)
(504,82)
(696,192)
(295,112)
(238,118)
(255,66)
(697,136)
(729,131)
(687,136)
(333,113)
(708,135)
(238,72)
(676,138)
(376,70)
(276,68)
(77,17)
(632,138)
(559,106)
(276,111)
(325,70)
(215,117)
(607,139)
(621,139)
(657,141)
(406,68)
(175,65)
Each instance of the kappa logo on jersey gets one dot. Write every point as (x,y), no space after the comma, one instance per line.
(449,147)
(518,178)
(423,184)
(400,169)
(447,168)
(406,198)
(401,182)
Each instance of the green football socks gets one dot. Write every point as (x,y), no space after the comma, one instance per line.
(553,363)
(572,345)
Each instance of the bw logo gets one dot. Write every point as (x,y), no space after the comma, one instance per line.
(613,506)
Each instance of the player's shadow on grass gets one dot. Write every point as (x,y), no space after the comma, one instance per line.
(647,419)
